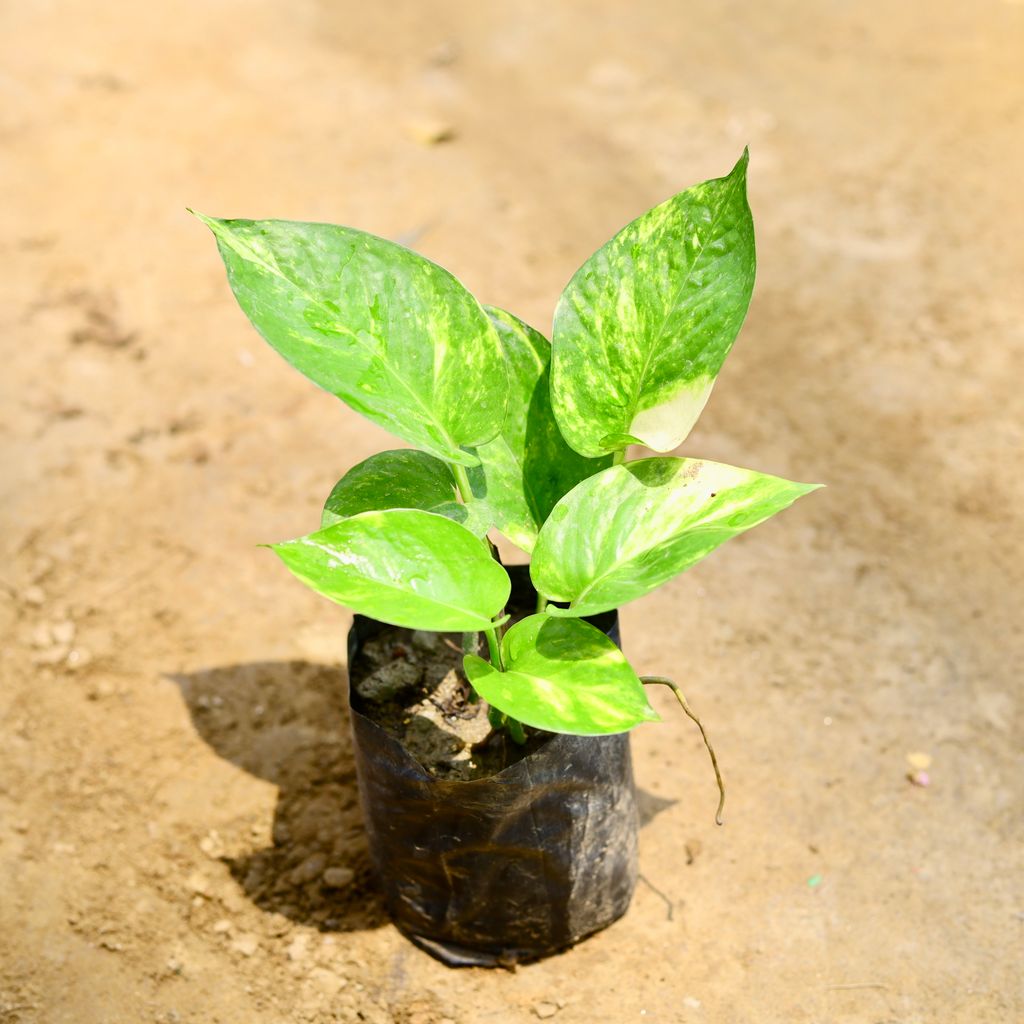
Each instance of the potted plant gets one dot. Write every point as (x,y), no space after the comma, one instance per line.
(518,838)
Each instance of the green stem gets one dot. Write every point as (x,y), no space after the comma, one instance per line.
(515,730)
(619,457)
(462,479)
(494,647)
(542,601)
(498,720)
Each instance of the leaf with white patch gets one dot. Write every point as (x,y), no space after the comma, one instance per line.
(645,324)
(562,675)
(630,528)
(402,566)
(395,336)
(528,466)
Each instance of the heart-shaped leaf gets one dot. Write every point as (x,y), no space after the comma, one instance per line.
(403,478)
(625,531)
(528,466)
(387,331)
(645,324)
(562,675)
(402,566)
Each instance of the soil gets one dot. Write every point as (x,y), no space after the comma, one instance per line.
(180,839)
(411,684)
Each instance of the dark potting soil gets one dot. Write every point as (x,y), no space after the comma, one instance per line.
(411,684)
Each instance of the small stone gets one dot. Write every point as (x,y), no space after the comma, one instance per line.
(174,965)
(545,1010)
(100,690)
(919,760)
(222,927)
(693,1004)
(430,131)
(329,983)
(51,655)
(298,947)
(212,845)
(274,924)
(312,867)
(63,632)
(338,878)
(78,658)
(198,883)
(33,596)
(246,944)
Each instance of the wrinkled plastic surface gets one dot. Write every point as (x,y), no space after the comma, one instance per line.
(508,868)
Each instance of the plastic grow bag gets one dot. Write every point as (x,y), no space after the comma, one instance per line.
(508,868)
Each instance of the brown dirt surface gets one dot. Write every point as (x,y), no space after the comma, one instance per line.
(180,840)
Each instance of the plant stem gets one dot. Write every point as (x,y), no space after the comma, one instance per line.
(542,601)
(515,730)
(494,647)
(512,727)
(462,479)
(707,743)
(619,457)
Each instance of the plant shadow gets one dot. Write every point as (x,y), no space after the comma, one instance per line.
(287,722)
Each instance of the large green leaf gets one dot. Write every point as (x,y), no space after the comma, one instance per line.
(402,566)
(528,466)
(387,331)
(404,478)
(627,530)
(645,324)
(563,675)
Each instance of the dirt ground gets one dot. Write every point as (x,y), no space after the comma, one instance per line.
(175,774)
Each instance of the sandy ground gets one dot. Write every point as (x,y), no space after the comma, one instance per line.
(175,773)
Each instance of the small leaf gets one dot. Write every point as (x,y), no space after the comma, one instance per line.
(562,675)
(627,530)
(528,466)
(645,324)
(387,331)
(405,567)
(403,478)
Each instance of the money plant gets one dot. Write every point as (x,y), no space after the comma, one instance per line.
(509,431)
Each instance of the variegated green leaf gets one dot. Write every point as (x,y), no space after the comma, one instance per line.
(528,466)
(404,478)
(387,331)
(645,324)
(627,530)
(562,675)
(402,566)
(475,516)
